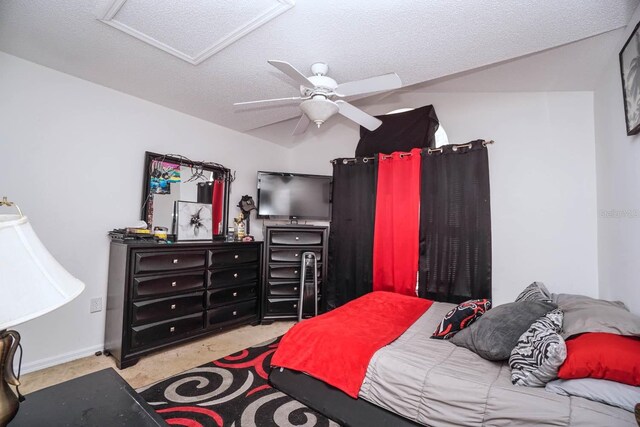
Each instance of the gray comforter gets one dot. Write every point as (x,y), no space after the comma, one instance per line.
(436,383)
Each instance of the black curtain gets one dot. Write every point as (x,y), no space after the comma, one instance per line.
(400,132)
(455,224)
(350,269)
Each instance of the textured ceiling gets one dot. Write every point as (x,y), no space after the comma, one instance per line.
(421,41)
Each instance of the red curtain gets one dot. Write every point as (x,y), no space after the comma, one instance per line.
(217,202)
(395,239)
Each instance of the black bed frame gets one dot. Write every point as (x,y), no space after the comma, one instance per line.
(333,403)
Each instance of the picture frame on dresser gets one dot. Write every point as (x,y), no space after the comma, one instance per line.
(193,221)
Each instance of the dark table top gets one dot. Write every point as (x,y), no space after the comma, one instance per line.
(102,398)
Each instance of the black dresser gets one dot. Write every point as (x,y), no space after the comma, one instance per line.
(162,294)
(284,246)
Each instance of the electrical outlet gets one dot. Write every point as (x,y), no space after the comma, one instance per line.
(95,305)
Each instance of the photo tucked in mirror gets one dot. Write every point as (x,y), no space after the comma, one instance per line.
(187,198)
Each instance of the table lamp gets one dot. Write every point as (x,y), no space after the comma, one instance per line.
(32,283)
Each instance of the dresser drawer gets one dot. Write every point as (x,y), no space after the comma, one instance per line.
(282,306)
(231,313)
(290,271)
(278,288)
(307,237)
(221,296)
(281,289)
(233,275)
(166,308)
(156,332)
(292,254)
(146,262)
(150,286)
(221,257)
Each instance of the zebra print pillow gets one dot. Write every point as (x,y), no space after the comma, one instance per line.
(539,353)
(536,291)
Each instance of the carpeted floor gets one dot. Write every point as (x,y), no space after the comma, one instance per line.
(232,391)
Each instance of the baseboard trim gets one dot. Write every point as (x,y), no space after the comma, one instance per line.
(48,362)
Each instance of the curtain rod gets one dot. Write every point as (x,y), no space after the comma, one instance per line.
(455,147)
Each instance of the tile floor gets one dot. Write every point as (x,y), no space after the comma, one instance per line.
(160,365)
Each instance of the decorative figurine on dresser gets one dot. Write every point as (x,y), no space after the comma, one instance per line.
(191,283)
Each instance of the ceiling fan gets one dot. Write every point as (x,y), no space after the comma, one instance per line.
(317,93)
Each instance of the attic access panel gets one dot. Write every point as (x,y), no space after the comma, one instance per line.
(192,31)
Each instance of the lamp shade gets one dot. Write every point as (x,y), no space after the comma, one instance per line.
(32,282)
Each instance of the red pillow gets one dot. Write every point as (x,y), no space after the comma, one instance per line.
(600,355)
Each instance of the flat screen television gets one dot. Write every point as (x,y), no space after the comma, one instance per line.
(294,196)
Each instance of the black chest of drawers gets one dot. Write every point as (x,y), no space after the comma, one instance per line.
(160,294)
(284,246)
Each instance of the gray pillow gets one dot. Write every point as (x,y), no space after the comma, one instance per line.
(539,353)
(610,392)
(536,291)
(496,333)
(585,314)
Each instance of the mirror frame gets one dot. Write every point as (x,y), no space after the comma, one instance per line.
(224,172)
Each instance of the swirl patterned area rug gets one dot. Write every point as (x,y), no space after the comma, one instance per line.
(230,392)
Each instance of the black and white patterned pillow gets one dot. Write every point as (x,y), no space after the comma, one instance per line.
(540,351)
(536,291)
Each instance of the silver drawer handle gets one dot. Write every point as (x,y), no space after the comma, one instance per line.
(235,313)
(235,256)
(295,289)
(175,261)
(173,284)
(295,271)
(297,238)
(235,275)
(235,294)
(296,255)
(172,329)
(295,305)
(173,306)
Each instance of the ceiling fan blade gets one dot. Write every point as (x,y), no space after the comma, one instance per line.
(302,125)
(372,84)
(358,116)
(274,100)
(292,72)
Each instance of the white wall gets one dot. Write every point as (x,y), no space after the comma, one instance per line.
(542,167)
(72,155)
(618,177)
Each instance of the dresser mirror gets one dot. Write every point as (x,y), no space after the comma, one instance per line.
(176,189)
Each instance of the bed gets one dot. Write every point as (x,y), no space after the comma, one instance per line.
(415,380)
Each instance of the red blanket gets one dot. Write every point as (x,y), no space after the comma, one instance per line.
(336,347)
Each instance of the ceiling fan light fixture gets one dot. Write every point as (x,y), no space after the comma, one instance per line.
(319,109)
